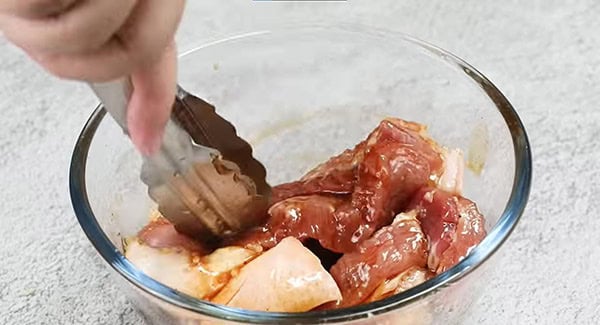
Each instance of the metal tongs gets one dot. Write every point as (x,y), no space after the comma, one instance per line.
(204,178)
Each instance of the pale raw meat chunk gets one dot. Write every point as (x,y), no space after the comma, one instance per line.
(286,278)
(182,270)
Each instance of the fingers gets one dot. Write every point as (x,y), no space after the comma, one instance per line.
(151,27)
(35,8)
(151,101)
(100,40)
(139,41)
(113,60)
(85,27)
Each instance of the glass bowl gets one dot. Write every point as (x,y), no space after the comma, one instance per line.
(300,95)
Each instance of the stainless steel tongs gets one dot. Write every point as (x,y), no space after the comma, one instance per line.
(204,178)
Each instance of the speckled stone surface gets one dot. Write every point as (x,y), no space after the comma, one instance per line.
(544,55)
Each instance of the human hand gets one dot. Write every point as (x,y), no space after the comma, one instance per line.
(101,40)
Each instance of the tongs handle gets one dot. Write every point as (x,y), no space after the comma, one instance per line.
(114,96)
(176,153)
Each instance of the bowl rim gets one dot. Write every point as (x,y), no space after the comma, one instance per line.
(492,242)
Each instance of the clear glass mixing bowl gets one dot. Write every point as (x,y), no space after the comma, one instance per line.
(301,95)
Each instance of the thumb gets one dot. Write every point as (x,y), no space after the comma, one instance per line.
(149,108)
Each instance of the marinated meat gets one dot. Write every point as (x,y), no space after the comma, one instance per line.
(453,226)
(391,251)
(336,176)
(330,220)
(404,141)
(287,278)
(386,170)
(398,160)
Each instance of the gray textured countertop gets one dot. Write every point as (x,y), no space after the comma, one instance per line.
(544,56)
